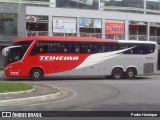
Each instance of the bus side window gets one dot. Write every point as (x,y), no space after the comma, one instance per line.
(70,48)
(141,49)
(50,48)
(108,48)
(114,47)
(57,47)
(45,47)
(61,48)
(99,49)
(65,49)
(77,50)
(138,50)
(82,48)
(41,50)
(88,50)
(36,49)
(151,48)
(93,48)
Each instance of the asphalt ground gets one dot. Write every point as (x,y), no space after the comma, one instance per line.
(40,93)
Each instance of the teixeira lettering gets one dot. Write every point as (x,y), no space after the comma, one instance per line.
(53,58)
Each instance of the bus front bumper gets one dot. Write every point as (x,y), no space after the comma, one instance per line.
(11,73)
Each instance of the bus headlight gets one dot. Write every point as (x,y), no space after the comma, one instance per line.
(7,67)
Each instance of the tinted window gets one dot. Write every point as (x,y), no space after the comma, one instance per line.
(87,48)
(140,49)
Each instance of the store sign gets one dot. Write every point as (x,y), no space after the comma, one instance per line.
(34,18)
(87,2)
(64,25)
(137,23)
(114,28)
(155,24)
(90,22)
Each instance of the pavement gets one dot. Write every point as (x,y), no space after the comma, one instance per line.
(1,73)
(39,94)
(157,73)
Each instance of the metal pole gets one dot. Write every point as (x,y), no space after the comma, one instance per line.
(145,6)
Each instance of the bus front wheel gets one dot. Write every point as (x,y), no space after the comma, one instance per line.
(130,73)
(117,73)
(36,74)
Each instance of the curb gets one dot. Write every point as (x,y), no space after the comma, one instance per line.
(31,100)
(158,73)
(155,74)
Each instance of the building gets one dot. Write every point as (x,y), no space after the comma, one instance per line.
(113,19)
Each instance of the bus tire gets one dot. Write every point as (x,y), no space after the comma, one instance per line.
(117,73)
(36,74)
(130,73)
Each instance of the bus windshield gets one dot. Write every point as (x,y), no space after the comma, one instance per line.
(15,53)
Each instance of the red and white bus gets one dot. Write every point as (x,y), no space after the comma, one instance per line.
(44,56)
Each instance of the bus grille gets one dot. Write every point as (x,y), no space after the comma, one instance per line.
(148,68)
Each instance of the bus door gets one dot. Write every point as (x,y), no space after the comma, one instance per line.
(14,59)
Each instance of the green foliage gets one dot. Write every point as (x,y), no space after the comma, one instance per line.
(14,87)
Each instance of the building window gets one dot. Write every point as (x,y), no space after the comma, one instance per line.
(8,24)
(36,25)
(79,4)
(153,6)
(137,30)
(134,6)
(154,32)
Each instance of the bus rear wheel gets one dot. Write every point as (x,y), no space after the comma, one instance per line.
(117,73)
(130,73)
(36,74)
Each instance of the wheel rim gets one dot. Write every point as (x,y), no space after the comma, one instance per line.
(117,75)
(36,74)
(130,74)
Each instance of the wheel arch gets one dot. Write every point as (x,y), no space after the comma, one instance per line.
(36,68)
(115,67)
(117,73)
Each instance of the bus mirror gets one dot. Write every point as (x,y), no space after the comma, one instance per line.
(5,51)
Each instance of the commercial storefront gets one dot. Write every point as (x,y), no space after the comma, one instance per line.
(36,25)
(90,27)
(64,26)
(138,30)
(12,25)
(114,29)
(154,31)
(57,20)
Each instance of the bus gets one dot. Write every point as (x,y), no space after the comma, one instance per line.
(40,57)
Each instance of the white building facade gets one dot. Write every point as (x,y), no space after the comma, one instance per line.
(110,19)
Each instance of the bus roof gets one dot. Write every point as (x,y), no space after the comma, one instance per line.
(66,38)
(78,39)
